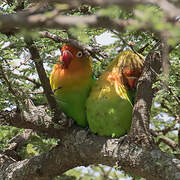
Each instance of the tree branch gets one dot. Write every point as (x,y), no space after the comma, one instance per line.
(16,143)
(169,142)
(126,43)
(141,111)
(80,148)
(58,115)
(166,130)
(165,55)
(162,138)
(88,50)
(28,20)
(9,85)
(165,5)
(35,118)
(37,85)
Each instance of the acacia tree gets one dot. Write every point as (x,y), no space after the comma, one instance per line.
(33,30)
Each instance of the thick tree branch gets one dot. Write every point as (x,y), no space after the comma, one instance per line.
(27,21)
(141,111)
(165,5)
(150,160)
(30,19)
(35,118)
(80,148)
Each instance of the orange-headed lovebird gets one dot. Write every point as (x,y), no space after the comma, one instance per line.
(110,103)
(71,81)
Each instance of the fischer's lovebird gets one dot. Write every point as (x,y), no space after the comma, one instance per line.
(71,81)
(110,103)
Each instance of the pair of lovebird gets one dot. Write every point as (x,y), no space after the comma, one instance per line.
(105,105)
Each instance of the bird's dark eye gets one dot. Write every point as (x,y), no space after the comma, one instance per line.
(79,54)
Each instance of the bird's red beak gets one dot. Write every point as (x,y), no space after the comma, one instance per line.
(132,81)
(131,77)
(66,58)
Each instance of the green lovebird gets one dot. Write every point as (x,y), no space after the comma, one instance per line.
(71,80)
(110,103)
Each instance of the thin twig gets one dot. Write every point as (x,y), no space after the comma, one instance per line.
(128,44)
(163,131)
(21,63)
(36,93)
(8,83)
(105,175)
(165,84)
(88,50)
(140,51)
(169,142)
(163,105)
(154,47)
(34,81)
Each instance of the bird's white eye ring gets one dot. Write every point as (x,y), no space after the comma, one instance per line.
(79,54)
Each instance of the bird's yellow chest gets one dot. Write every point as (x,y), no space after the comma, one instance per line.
(68,78)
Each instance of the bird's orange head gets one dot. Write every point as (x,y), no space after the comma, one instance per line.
(70,53)
(74,69)
(132,65)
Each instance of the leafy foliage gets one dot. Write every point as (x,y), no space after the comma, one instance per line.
(37,145)
(6,133)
